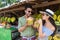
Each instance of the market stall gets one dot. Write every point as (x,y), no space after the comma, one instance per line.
(13,12)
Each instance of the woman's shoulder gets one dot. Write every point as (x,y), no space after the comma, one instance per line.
(53,28)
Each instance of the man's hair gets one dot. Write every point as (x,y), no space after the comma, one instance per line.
(27,5)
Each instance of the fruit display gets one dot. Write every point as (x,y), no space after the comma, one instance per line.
(57,19)
(30,20)
(37,16)
(8,19)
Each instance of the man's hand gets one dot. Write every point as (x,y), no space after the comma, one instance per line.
(23,27)
(30,21)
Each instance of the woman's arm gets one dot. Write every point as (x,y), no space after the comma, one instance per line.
(41,34)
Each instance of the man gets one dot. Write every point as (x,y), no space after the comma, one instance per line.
(27,31)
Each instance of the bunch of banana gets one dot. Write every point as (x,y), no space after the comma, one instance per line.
(35,15)
(38,16)
(13,19)
(58,18)
(50,37)
(2,19)
(57,37)
(55,17)
(57,23)
(8,20)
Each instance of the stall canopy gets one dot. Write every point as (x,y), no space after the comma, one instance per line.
(13,8)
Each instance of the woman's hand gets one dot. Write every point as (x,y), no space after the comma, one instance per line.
(40,21)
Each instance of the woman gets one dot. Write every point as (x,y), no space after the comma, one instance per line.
(47,25)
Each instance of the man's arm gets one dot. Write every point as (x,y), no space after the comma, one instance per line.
(20,26)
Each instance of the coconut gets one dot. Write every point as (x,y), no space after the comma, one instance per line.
(30,20)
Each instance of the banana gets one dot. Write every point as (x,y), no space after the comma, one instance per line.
(8,20)
(55,17)
(58,18)
(13,19)
(2,19)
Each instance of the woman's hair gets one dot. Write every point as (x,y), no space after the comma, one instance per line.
(53,23)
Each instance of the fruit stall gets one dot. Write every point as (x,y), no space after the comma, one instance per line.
(9,17)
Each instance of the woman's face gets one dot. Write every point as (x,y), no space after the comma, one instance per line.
(45,16)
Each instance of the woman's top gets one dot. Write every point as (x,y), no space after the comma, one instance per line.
(47,32)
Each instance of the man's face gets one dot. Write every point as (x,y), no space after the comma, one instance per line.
(28,11)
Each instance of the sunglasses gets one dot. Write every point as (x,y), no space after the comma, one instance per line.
(30,11)
(44,14)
